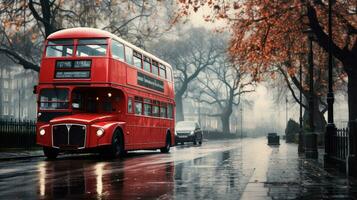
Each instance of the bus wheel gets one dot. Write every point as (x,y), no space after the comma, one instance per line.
(50,153)
(166,149)
(117,148)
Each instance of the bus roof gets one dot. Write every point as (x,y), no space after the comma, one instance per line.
(85,32)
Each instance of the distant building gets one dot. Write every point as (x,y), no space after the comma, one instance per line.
(17,100)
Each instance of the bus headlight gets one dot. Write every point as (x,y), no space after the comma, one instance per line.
(100,132)
(192,132)
(42,132)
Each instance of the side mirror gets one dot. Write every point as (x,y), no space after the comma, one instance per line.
(34,89)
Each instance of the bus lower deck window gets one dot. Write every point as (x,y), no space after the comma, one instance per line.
(155,111)
(170,111)
(107,106)
(130,105)
(138,108)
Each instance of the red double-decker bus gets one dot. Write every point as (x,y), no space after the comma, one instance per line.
(97,92)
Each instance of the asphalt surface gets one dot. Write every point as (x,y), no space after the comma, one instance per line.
(216,170)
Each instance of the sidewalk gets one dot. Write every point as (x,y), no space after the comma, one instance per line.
(279,173)
(13,154)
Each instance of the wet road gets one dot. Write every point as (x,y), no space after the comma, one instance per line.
(215,170)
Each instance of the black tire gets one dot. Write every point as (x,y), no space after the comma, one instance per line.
(116,149)
(194,140)
(50,153)
(166,149)
(200,142)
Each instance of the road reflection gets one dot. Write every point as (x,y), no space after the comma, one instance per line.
(123,179)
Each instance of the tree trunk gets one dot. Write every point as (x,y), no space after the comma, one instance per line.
(225,123)
(319,120)
(352,114)
(179,109)
(352,95)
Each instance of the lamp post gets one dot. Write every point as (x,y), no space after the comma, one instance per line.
(330,128)
(286,110)
(301,142)
(311,138)
(311,81)
(241,122)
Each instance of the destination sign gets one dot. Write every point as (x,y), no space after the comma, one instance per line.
(68,64)
(72,69)
(72,74)
(150,82)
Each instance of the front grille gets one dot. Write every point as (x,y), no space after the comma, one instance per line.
(69,135)
(182,133)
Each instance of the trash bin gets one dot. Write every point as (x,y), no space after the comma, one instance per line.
(273,139)
(311,145)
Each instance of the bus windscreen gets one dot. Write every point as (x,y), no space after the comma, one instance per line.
(52,99)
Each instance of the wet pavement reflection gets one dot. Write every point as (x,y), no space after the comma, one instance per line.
(215,170)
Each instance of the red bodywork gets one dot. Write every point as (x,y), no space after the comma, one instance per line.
(107,76)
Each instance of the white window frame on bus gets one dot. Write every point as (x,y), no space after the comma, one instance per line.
(136,56)
(94,42)
(130,105)
(138,100)
(128,55)
(61,42)
(155,65)
(163,68)
(113,52)
(147,60)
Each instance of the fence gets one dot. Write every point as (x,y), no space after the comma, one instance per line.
(17,134)
(339,145)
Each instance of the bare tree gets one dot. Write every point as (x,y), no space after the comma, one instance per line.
(189,55)
(223,85)
(28,23)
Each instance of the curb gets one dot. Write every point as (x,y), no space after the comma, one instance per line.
(20,157)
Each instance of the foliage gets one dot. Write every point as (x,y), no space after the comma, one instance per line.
(269,36)
(292,130)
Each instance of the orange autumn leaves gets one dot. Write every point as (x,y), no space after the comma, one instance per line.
(266,33)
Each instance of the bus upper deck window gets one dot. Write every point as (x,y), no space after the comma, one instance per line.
(155,67)
(162,71)
(92,47)
(59,48)
(137,59)
(168,74)
(147,62)
(128,55)
(117,50)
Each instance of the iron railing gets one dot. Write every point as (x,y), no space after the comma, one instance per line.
(17,134)
(339,145)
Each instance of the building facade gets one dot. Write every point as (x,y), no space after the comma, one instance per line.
(17,100)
